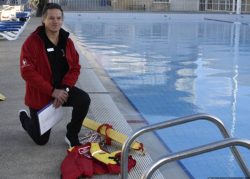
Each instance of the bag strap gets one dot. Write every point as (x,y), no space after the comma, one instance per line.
(107,127)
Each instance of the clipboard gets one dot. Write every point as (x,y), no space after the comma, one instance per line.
(48,117)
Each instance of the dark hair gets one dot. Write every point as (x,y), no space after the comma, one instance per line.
(51,6)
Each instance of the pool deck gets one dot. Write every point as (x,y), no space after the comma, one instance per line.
(22,158)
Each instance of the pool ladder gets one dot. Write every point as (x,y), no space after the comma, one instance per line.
(226,142)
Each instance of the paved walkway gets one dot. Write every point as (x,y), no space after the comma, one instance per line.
(21,158)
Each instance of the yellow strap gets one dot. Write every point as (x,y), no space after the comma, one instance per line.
(70,149)
(101,155)
(2,97)
(97,152)
(113,134)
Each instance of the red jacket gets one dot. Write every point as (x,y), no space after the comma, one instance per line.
(36,71)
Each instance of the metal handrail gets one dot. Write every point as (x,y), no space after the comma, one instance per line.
(195,151)
(174,122)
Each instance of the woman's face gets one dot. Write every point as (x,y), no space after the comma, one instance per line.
(53,20)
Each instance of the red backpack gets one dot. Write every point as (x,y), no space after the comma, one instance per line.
(80,162)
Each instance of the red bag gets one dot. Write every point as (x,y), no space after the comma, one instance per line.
(116,169)
(79,162)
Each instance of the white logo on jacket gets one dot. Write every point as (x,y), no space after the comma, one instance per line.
(24,63)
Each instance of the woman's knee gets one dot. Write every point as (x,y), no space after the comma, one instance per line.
(43,139)
(88,100)
(41,142)
(84,99)
(78,98)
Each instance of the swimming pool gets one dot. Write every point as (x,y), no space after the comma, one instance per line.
(170,66)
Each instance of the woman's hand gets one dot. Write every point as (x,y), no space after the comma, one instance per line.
(61,96)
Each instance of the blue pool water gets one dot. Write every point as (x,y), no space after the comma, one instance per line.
(170,68)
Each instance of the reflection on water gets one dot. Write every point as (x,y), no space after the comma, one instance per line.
(171,69)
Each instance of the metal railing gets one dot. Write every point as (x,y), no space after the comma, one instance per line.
(175,122)
(196,151)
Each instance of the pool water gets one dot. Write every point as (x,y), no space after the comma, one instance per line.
(172,68)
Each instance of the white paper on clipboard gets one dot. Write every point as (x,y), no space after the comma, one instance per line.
(48,117)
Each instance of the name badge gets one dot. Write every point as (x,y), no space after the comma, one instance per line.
(50,49)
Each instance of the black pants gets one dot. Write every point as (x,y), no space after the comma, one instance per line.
(78,99)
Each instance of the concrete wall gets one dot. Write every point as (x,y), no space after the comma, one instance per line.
(130,4)
(184,5)
(160,6)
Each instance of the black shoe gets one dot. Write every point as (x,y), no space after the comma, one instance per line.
(72,141)
(23,116)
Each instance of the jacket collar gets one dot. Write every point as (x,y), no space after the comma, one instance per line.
(63,34)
